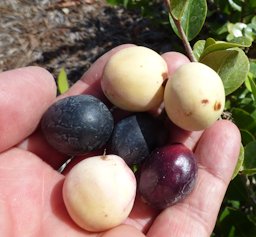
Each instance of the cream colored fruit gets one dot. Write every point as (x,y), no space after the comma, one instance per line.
(99,192)
(133,78)
(194,97)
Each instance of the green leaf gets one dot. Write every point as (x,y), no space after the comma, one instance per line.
(253,21)
(223,29)
(125,2)
(253,67)
(243,119)
(62,81)
(232,65)
(198,48)
(249,172)
(177,8)
(236,223)
(237,190)
(253,88)
(249,165)
(113,2)
(230,229)
(201,45)
(239,163)
(209,42)
(235,6)
(240,42)
(190,13)
(247,136)
(134,168)
(247,81)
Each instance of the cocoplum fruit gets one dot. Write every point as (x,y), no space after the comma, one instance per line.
(194,97)
(133,77)
(77,124)
(135,136)
(99,192)
(167,176)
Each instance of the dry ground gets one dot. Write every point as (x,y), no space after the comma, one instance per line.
(69,33)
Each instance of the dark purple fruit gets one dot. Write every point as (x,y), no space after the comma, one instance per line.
(134,137)
(167,176)
(77,124)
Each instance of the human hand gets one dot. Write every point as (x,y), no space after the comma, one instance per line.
(31,189)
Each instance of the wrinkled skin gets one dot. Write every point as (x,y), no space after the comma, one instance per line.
(30,187)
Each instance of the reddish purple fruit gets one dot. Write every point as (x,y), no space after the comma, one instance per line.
(167,176)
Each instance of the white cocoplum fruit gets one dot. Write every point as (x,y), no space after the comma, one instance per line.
(133,77)
(99,192)
(194,97)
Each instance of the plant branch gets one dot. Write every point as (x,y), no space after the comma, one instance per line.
(183,36)
(184,39)
(167,2)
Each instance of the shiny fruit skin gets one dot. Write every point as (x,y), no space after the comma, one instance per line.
(133,77)
(167,176)
(99,192)
(194,97)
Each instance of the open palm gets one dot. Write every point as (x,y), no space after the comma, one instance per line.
(31,189)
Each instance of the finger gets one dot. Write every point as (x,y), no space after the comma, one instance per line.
(88,84)
(179,135)
(124,231)
(142,215)
(217,153)
(25,94)
(38,195)
(31,194)
(36,144)
(174,61)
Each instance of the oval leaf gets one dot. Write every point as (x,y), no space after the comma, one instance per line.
(243,119)
(239,163)
(209,42)
(242,41)
(222,45)
(201,45)
(62,81)
(247,136)
(232,65)
(198,48)
(177,8)
(249,165)
(190,14)
(253,88)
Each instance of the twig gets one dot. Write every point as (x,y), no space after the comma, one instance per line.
(184,40)
(183,36)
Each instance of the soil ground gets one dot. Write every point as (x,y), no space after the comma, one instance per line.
(70,33)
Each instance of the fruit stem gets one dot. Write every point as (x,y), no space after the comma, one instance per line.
(183,36)
(104,155)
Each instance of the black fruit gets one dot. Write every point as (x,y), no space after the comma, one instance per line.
(134,137)
(77,124)
(167,176)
